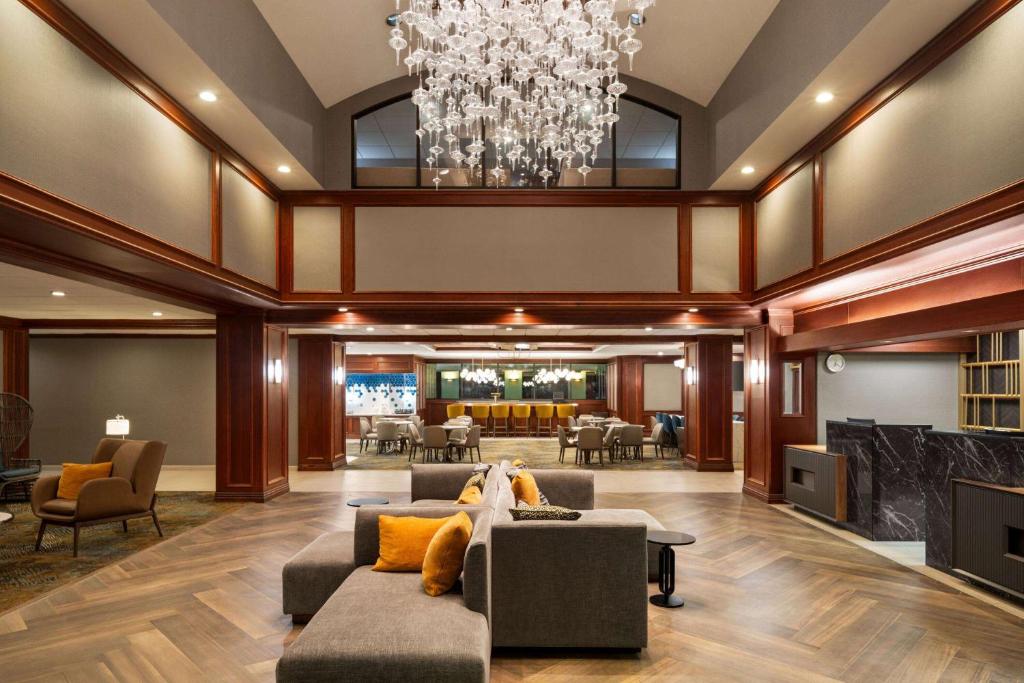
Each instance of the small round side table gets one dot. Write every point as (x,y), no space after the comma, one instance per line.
(359,502)
(5,517)
(667,565)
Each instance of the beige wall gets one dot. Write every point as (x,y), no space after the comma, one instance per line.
(663,387)
(511,249)
(70,127)
(249,228)
(165,387)
(952,136)
(316,234)
(715,248)
(785,233)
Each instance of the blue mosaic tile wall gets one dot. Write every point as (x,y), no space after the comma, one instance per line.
(380,394)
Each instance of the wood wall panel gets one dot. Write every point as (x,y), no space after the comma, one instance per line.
(252,425)
(15,370)
(321,404)
(708,404)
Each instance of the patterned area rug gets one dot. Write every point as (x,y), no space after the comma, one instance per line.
(539,453)
(24,573)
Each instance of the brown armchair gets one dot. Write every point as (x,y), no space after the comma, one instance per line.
(128,493)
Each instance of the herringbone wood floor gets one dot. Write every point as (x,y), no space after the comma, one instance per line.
(767,598)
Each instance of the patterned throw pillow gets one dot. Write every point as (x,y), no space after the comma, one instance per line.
(483,467)
(476,480)
(524,512)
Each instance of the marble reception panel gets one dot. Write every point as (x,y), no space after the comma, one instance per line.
(885,482)
(992,459)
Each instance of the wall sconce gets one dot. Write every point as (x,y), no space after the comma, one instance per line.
(691,375)
(118,426)
(275,371)
(339,375)
(449,375)
(679,363)
(758,370)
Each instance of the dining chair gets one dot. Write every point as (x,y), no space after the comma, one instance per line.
(545,414)
(656,440)
(435,442)
(631,440)
(499,418)
(388,436)
(564,441)
(415,441)
(468,442)
(609,441)
(366,434)
(521,411)
(572,422)
(588,443)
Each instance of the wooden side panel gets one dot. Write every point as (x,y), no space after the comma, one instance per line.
(756,444)
(15,375)
(321,404)
(707,391)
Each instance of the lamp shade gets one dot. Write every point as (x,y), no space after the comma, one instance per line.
(118,426)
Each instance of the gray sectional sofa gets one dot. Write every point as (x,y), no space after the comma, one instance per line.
(536,584)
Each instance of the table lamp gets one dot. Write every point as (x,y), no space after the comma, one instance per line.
(118,426)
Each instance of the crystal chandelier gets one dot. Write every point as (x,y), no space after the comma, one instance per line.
(533,82)
(480,375)
(559,374)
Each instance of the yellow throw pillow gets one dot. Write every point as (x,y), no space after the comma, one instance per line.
(470,496)
(73,477)
(524,487)
(518,462)
(404,541)
(446,553)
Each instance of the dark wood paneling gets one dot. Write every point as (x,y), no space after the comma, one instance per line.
(321,404)
(757,343)
(631,389)
(988,534)
(708,404)
(169,324)
(951,345)
(15,374)
(379,363)
(252,425)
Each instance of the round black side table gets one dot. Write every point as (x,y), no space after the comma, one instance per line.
(359,502)
(667,565)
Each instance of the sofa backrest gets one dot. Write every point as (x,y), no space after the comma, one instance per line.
(568,488)
(476,567)
(439,481)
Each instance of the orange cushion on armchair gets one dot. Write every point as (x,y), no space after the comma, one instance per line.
(73,477)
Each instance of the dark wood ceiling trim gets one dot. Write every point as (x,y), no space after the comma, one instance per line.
(113,324)
(507,338)
(951,345)
(89,41)
(9,323)
(986,314)
(122,335)
(574,198)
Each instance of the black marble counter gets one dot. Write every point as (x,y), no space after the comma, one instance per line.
(885,484)
(989,458)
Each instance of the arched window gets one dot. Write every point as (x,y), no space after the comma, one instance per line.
(387,154)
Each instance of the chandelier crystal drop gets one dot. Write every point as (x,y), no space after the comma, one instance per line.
(532,83)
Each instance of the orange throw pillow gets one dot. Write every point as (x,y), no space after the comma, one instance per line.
(73,477)
(470,496)
(404,541)
(446,553)
(524,487)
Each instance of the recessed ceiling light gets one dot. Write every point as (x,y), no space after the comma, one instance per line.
(57,292)
(339,327)
(518,310)
(370,329)
(747,170)
(508,329)
(692,310)
(522,346)
(407,327)
(157,314)
(661,353)
(343,310)
(648,329)
(208,96)
(824,97)
(284,168)
(407,343)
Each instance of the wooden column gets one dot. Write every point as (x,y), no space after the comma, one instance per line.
(15,375)
(767,429)
(321,403)
(252,408)
(707,393)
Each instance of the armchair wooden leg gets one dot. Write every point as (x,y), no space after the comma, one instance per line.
(42,530)
(124,525)
(156,523)
(75,546)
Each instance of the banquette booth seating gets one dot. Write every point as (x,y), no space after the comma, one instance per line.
(125,489)
(523,584)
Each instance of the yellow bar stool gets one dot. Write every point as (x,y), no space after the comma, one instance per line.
(565,411)
(455,410)
(521,411)
(499,418)
(545,413)
(480,413)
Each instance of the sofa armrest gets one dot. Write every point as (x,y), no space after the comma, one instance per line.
(568,488)
(108,497)
(43,490)
(569,584)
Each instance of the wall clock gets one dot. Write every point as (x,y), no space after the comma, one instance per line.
(835,362)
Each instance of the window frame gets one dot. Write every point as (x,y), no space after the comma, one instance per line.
(677,185)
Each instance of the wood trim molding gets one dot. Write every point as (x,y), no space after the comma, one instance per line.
(89,41)
(573,198)
(114,324)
